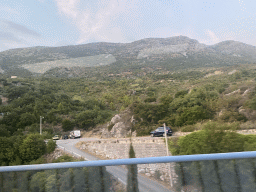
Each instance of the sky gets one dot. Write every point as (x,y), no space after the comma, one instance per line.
(27,23)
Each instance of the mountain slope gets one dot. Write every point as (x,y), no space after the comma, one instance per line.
(170,53)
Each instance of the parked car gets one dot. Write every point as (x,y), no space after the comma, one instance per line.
(160,132)
(56,137)
(65,137)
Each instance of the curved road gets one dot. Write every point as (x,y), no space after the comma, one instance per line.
(145,184)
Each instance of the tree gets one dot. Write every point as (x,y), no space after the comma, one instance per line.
(32,147)
(7,153)
(214,138)
(16,92)
(67,125)
(51,145)
(26,119)
(181,93)
(191,115)
(132,180)
(4,132)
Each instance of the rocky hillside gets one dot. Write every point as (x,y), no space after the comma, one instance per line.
(169,53)
(120,126)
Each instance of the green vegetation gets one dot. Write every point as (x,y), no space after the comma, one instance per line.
(51,145)
(18,150)
(184,100)
(32,147)
(215,137)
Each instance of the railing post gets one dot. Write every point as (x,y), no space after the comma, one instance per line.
(86,177)
(200,175)
(217,173)
(15,184)
(254,169)
(28,183)
(237,176)
(1,182)
(183,182)
(102,179)
(57,180)
(72,182)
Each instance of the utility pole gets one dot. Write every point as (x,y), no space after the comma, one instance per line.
(167,152)
(41,117)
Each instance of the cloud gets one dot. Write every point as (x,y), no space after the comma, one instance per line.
(9,10)
(213,37)
(13,35)
(17,28)
(208,37)
(68,7)
(7,36)
(97,22)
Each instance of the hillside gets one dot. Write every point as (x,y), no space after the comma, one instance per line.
(169,54)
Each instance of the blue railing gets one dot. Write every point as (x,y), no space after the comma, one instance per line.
(206,172)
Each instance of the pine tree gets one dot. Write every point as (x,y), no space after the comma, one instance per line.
(132,180)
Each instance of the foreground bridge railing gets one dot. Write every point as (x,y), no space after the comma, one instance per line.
(229,172)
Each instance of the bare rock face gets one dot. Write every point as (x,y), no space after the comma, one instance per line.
(115,119)
(105,133)
(250,114)
(119,130)
(119,126)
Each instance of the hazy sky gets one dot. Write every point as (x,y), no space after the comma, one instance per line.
(25,23)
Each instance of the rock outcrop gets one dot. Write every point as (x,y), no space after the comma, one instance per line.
(119,126)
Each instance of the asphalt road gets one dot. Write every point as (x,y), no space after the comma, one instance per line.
(145,184)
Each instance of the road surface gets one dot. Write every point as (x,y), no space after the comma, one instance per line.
(145,184)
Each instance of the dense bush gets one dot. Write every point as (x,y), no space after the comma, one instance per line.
(191,115)
(110,126)
(64,158)
(67,125)
(181,93)
(150,99)
(231,116)
(32,147)
(51,145)
(188,128)
(214,138)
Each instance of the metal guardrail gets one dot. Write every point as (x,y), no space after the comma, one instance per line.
(225,172)
(165,159)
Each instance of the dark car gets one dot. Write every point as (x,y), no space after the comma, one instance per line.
(65,137)
(160,132)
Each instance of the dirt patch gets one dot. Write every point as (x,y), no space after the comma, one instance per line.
(88,134)
(4,100)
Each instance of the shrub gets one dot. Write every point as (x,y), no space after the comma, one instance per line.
(63,158)
(150,99)
(67,125)
(191,115)
(181,93)
(231,116)
(41,160)
(110,126)
(32,147)
(216,137)
(252,103)
(188,128)
(51,145)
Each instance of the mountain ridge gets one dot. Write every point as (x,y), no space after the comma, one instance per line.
(171,52)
